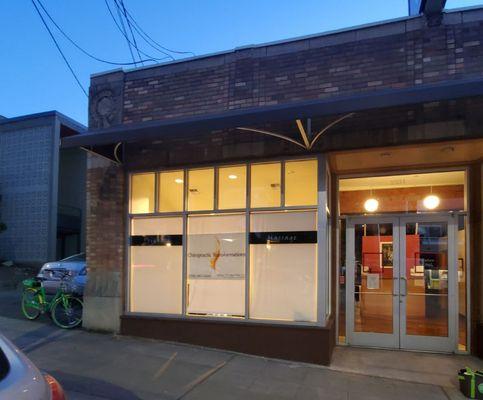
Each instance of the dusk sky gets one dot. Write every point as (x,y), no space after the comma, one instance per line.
(34,78)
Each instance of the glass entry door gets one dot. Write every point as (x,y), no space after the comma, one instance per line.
(401,275)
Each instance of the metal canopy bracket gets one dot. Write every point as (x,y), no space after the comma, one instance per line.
(308,139)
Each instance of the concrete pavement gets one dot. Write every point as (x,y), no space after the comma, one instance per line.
(94,366)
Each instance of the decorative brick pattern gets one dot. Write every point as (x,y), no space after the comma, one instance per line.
(304,70)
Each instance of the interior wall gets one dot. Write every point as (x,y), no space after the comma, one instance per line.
(402,199)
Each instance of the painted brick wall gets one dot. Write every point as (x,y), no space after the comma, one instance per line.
(396,55)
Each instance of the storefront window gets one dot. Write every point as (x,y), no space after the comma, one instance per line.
(216,265)
(193,260)
(301,183)
(201,189)
(156,255)
(265,185)
(283,272)
(171,185)
(232,182)
(142,193)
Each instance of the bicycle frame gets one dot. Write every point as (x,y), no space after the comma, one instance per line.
(45,305)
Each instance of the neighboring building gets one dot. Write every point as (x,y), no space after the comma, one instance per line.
(42,188)
(279,199)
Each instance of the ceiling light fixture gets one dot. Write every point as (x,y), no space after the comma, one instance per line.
(431,202)
(178,180)
(232,176)
(371,205)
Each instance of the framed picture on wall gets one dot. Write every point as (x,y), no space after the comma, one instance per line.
(386,254)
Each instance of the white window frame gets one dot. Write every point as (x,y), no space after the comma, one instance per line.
(322,236)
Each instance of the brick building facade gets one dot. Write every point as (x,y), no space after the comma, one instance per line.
(397,98)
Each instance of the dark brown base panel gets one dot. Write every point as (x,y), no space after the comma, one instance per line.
(296,343)
(478,346)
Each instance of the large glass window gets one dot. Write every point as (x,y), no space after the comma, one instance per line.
(201,189)
(171,185)
(156,265)
(283,266)
(142,193)
(208,227)
(266,185)
(232,182)
(216,265)
(301,183)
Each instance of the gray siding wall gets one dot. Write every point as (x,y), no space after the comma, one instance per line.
(72,184)
(26,186)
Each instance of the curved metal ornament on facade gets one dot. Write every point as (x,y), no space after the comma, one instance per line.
(308,140)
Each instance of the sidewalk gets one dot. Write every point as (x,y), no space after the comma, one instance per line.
(94,366)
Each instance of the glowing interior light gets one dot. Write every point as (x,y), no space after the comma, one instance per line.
(232,176)
(371,205)
(431,202)
(168,244)
(178,180)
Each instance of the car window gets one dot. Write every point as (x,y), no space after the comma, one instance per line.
(76,257)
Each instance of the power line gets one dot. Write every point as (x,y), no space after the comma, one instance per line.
(79,47)
(147,37)
(130,27)
(126,14)
(124,32)
(58,48)
(127,38)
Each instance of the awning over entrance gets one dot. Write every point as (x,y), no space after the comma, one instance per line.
(337,106)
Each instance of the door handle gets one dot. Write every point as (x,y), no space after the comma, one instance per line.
(394,286)
(405,286)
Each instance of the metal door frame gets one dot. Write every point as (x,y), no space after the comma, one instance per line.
(366,338)
(431,343)
(398,339)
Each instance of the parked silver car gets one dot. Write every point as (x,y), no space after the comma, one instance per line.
(52,272)
(20,379)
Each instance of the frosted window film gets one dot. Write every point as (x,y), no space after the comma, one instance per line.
(283,276)
(216,265)
(156,271)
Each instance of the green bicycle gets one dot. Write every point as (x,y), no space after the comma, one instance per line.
(65,309)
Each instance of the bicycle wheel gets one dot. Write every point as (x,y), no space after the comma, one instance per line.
(31,303)
(67,312)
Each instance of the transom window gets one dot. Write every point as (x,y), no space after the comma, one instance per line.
(271,185)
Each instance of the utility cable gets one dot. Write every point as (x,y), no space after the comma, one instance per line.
(142,37)
(58,48)
(80,48)
(122,33)
(145,36)
(130,29)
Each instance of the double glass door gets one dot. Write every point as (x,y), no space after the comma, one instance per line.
(401,282)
